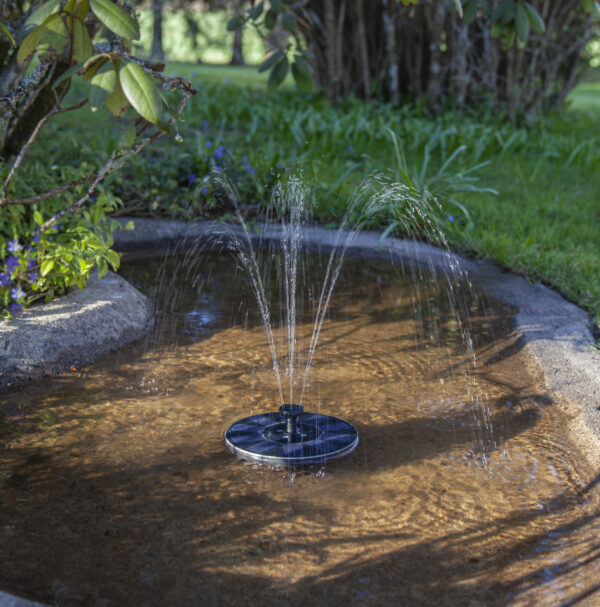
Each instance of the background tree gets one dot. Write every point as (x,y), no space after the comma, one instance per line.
(158,54)
(512,54)
(237,55)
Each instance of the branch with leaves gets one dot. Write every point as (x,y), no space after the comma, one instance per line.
(59,33)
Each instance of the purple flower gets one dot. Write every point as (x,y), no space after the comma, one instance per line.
(14,246)
(205,124)
(208,144)
(191,178)
(118,189)
(4,279)
(15,307)
(227,81)
(17,293)
(450,219)
(219,152)
(93,197)
(32,263)
(35,239)
(12,263)
(218,168)
(204,190)
(33,276)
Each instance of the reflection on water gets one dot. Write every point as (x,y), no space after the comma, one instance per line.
(116,487)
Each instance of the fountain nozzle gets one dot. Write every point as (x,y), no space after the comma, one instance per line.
(291,413)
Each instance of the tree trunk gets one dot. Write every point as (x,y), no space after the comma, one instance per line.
(158,53)
(361,41)
(36,105)
(237,57)
(390,50)
(331,50)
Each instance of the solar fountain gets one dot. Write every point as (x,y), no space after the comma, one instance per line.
(291,436)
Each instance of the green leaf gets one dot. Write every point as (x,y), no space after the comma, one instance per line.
(54,38)
(82,9)
(256,12)
(509,12)
(233,23)
(166,127)
(117,103)
(303,75)
(5,31)
(47,266)
(288,22)
(537,23)
(38,218)
(82,44)
(278,74)
(102,268)
(127,138)
(470,12)
(521,22)
(28,45)
(113,257)
(92,65)
(38,17)
(129,225)
(116,19)
(102,85)
(458,7)
(270,61)
(141,92)
(270,19)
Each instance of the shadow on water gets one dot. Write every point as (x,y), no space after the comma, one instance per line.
(178,533)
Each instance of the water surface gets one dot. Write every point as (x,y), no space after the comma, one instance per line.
(116,488)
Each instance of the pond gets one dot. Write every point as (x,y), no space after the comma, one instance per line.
(117,488)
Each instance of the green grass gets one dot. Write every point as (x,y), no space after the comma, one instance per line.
(213,43)
(586,96)
(544,222)
(239,76)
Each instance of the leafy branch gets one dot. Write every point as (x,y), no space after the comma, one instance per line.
(44,259)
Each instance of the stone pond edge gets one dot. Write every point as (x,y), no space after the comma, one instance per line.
(72,330)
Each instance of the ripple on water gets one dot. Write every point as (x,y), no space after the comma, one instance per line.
(464,489)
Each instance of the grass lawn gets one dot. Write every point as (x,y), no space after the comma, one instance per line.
(544,222)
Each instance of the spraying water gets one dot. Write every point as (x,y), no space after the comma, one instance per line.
(284,240)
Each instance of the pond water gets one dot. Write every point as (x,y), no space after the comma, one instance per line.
(117,489)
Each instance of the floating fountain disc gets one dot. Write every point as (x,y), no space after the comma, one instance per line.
(291,437)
